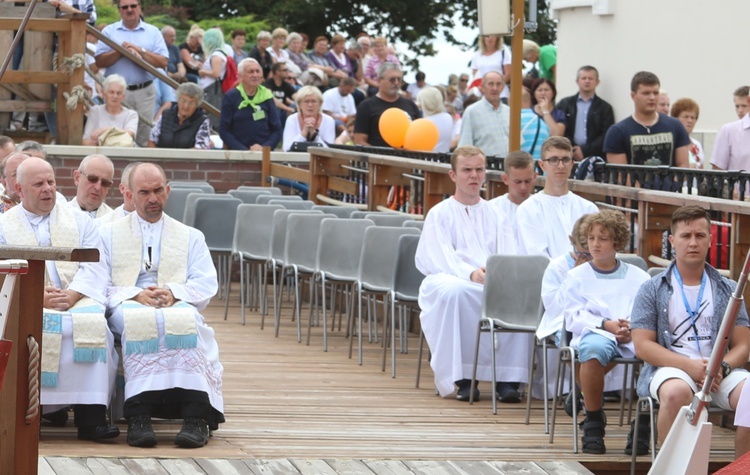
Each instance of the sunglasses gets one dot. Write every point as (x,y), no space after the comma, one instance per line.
(93,179)
(395,80)
(129,7)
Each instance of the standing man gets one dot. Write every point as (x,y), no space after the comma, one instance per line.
(79,363)
(732,145)
(589,116)
(145,42)
(366,125)
(663,103)
(160,276)
(675,324)
(520,178)
(93,180)
(647,137)
(486,123)
(740,101)
(546,219)
(459,235)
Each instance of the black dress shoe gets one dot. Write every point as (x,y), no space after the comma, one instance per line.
(508,392)
(194,433)
(464,390)
(57,418)
(140,431)
(97,433)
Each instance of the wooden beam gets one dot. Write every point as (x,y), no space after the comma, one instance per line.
(35,77)
(292,173)
(7,105)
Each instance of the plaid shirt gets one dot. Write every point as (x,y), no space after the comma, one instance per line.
(84,6)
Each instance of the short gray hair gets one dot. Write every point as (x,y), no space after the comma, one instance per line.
(385,67)
(241,66)
(308,91)
(114,79)
(166,28)
(293,36)
(32,146)
(263,34)
(192,90)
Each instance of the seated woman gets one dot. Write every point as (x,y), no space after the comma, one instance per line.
(430,100)
(191,53)
(297,56)
(183,124)
(111,113)
(543,93)
(380,56)
(309,124)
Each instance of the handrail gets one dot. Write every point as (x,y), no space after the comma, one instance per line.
(145,65)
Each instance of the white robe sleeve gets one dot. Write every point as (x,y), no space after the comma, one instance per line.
(435,251)
(91,278)
(579,315)
(201,284)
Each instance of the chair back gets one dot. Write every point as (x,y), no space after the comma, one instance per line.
(378,259)
(272,189)
(406,276)
(264,199)
(340,211)
(634,260)
(189,215)
(413,224)
(302,237)
(202,185)
(294,204)
(654,271)
(252,232)
(340,247)
(359,214)
(177,201)
(216,220)
(278,232)
(388,219)
(513,289)
(248,196)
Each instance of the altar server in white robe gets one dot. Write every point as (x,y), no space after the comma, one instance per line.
(93,180)
(520,178)
(459,235)
(79,362)
(161,276)
(127,206)
(546,219)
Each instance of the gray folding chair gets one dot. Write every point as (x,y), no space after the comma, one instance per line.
(511,302)
(404,291)
(654,271)
(359,214)
(216,218)
(294,204)
(634,260)
(251,244)
(376,266)
(337,260)
(177,202)
(414,224)
(340,211)
(264,199)
(276,258)
(189,216)
(248,196)
(302,236)
(388,219)
(272,189)
(203,185)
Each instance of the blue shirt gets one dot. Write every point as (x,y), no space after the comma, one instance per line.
(582,114)
(240,131)
(144,35)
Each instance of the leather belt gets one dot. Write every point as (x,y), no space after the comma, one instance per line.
(135,87)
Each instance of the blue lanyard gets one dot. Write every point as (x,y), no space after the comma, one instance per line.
(692,313)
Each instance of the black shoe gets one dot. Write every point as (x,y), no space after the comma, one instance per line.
(464,390)
(57,418)
(508,392)
(194,433)
(611,396)
(643,441)
(568,406)
(593,436)
(97,433)
(140,431)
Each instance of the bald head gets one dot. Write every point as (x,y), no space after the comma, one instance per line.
(36,186)
(149,191)
(93,180)
(10,171)
(128,204)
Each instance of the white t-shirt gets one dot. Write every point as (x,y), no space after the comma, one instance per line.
(206,81)
(493,62)
(444,123)
(682,334)
(338,105)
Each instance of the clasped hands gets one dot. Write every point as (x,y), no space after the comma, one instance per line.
(154,296)
(58,299)
(620,328)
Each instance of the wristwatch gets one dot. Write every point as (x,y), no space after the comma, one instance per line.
(143,50)
(725,369)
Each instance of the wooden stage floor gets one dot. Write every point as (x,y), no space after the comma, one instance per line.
(292,408)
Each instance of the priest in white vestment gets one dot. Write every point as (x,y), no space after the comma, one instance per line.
(127,206)
(458,236)
(93,180)
(520,178)
(161,276)
(79,362)
(546,219)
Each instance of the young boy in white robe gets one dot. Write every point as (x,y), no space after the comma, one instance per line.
(597,304)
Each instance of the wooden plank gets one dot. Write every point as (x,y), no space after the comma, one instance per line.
(147,466)
(313,467)
(349,467)
(31,76)
(519,468)
(24,106)
(68,466)
(427,467)
(181,467)
(223,467)
(49,25)
(291,173)
(389,176)
(271,467)
(343,185)
(563,468)
(49,253)
(475,468)
(388,467)
(44,467)
(104,466)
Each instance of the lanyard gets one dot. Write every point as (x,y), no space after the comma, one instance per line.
(692,313)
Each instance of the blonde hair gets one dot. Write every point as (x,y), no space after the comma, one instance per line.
(431,101)
(195,31)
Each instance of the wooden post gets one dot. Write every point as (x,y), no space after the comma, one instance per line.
(70,123)
(19,442)
(265,167)
(318,179)
(516,75)
(653,220)
(740,239)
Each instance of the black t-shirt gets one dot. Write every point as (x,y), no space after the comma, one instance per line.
(282,92)
(642,145)
(197,57)
(368,117)
(263,58)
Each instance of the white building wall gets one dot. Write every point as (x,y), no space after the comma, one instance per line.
(698,48)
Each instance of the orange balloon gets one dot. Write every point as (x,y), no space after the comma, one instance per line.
(422,135)
(393,124)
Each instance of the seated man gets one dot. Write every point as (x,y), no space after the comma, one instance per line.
(675,322)
(520,178)
(93,179)
(161,275)
(79,363)
(127,206)
(598,297)
(459,235)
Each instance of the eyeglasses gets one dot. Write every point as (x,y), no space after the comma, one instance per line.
(129,7)
(395,80)
(93,179)
(554,161)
